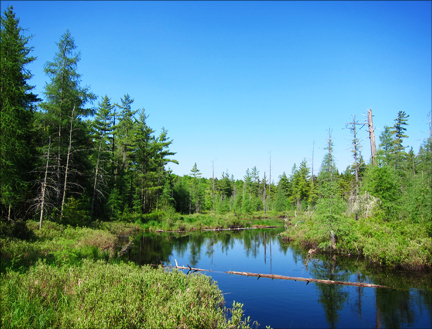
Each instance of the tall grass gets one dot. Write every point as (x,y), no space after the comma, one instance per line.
(100,295)
(70,277)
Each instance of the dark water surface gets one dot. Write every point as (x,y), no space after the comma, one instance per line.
(293,304)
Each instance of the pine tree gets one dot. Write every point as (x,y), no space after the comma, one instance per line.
(385,151)
(16,114)
(399,133)
(102,127)
(330,205)
(195,187)
(64,108)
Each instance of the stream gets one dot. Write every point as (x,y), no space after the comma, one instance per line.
(294,304)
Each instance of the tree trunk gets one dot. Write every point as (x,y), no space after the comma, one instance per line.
(95,180)
(265,195)
(44,185)
(371,136)
(67,163)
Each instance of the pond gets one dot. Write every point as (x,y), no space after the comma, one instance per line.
(294,304)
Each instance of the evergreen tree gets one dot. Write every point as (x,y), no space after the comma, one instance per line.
(399,133)
(64,108)
(330,205)
(195,187)
(102,128)
(16,114)
(385,151)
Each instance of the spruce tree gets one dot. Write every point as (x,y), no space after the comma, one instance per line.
(399,133)
(16,114)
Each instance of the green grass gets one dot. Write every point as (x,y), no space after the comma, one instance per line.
(124,295)
(69,277)
(393,244)
(179,223)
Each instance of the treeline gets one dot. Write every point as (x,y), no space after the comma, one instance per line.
(73,159)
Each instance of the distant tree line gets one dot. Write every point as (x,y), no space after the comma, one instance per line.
(70,160)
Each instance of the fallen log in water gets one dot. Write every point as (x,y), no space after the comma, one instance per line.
(279,277)
(123,251)
(307,280)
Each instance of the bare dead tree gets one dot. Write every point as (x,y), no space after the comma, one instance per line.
(265,196)
(67,162)
(44,184)
(372,136)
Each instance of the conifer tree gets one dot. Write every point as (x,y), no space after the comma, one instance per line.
(16,114)
(385,151)
(399,133)
(64,108)
(102,129)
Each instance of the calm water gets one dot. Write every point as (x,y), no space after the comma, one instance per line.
(291,304)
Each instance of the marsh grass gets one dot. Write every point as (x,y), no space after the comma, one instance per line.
(392,244)
(100,295)
(193,222)
(69,277)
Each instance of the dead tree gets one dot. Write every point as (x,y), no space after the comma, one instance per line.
(372,136)
(265,196)
(44,185)
(67,162)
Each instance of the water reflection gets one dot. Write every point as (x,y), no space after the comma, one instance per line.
(284,303)
(332,297)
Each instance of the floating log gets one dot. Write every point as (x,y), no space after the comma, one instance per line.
(279,277)
(307,280)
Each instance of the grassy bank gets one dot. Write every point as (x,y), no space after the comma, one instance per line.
(62,276)
(161,221)
(392,244)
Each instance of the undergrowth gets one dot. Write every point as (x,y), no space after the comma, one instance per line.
(394,244)
(67,277)
(124,295)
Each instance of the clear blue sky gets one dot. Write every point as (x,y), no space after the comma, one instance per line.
(232,81)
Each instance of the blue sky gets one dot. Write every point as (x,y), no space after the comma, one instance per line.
(234,81)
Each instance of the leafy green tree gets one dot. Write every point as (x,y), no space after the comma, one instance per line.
(16,114)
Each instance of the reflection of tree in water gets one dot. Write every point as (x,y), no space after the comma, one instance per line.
(152,250)
(394,308)
(195,243)
(210,248)
(425,300)
(332,297)
(360,293)
(298,254)
(180,245)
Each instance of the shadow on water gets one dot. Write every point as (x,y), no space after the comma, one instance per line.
(281,303)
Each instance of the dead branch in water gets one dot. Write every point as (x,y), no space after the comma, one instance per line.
(279,277)
(123,251)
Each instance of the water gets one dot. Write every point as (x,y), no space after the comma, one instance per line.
(293,304)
